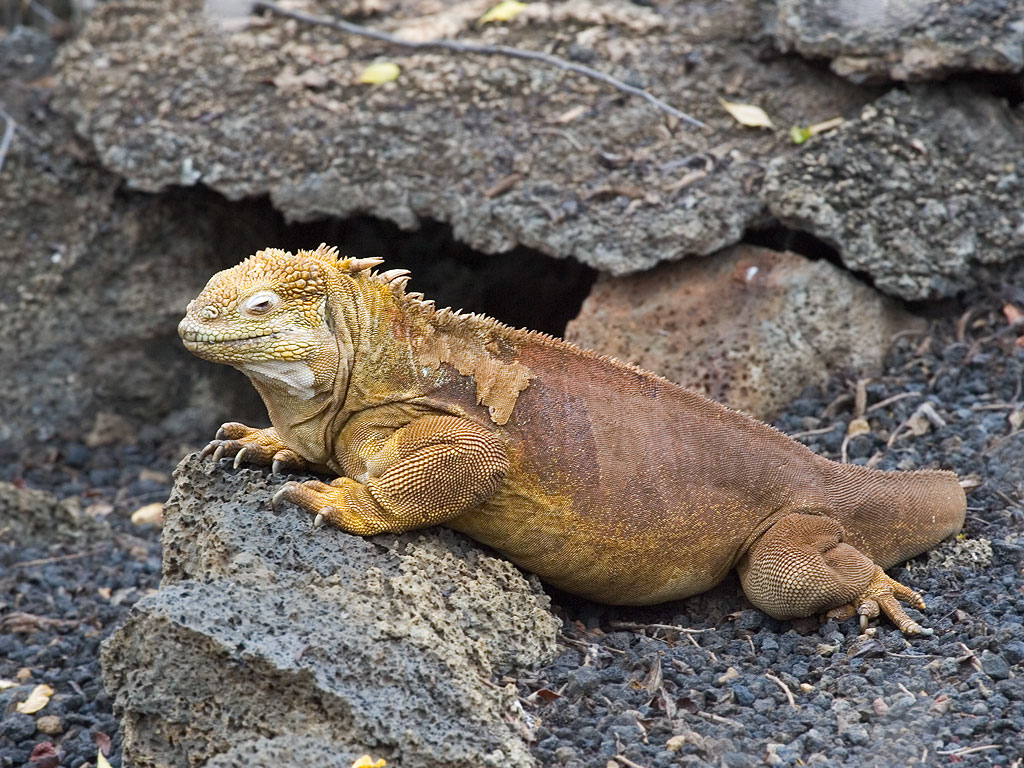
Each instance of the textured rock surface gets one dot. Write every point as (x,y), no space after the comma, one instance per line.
(519,153)
(169,99)
(870,40)
(916,192)
(266,629)
(92,283)
(751,327)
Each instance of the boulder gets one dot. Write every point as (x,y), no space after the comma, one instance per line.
(750,328)
(508,152)
(917,191)
(875,40)
(271,642)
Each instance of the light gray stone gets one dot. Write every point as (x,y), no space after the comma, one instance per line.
(874,40)
(917,191)
(265,628)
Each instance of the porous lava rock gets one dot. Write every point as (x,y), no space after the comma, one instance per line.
(750,328)
(269,637)
(917,191)
(874,40)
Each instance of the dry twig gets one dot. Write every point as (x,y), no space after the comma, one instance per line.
(785,688)
(484,49)
(672,627)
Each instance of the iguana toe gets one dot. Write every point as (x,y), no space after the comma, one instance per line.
(882,596)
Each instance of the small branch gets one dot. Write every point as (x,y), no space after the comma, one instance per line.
(966,750)
(785,688)
(58,558)
(479,48)
(668,627)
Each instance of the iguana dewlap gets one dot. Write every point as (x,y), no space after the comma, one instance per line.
(605,480)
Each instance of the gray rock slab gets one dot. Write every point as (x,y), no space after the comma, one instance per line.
(510,152)
(265,628)
(916,191)
(506,151)
(874,40)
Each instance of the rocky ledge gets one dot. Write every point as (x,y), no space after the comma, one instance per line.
(270,637)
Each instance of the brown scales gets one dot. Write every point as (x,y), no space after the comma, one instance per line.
(604,479)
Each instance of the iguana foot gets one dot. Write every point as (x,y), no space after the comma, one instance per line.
(257,446)
(882,595)
(344,503)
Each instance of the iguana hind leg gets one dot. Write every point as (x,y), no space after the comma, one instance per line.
(425,473)
(258,446)
(801,566)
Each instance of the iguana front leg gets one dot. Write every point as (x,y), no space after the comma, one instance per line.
(259,446)
(801,566)
(424,473)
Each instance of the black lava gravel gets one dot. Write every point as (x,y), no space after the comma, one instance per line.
(62,594)
(706,681)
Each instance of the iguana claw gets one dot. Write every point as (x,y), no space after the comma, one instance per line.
(239,456)
(279,496)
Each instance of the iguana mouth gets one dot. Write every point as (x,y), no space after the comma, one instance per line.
(213,337)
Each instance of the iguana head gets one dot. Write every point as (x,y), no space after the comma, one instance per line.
(269,317)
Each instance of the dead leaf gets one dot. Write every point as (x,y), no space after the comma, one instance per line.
(5,684)
(675,743)
(800,134)
(1016,419)
(363,762)
(546,693)
(44,755)
(102,740)
(1014,316)
(858,427)
(37,699)
(149,514)
(380,72)
(747,114)
(654,678)
(506,10)
(570,114)
(101,761)
(730,674)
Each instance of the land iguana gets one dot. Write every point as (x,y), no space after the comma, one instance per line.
(605,480)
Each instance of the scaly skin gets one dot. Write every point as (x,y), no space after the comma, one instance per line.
(605,480)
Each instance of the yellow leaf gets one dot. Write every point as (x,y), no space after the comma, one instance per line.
(858,427)
(363,762)
(747,114)
(799,134)
(101,761)
(149,514)
(506,10)
(380,72)
(36,700)
(5,684)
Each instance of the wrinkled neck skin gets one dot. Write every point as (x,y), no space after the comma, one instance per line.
(365,360)
(304,397)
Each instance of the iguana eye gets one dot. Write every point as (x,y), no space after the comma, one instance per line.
(261,303)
